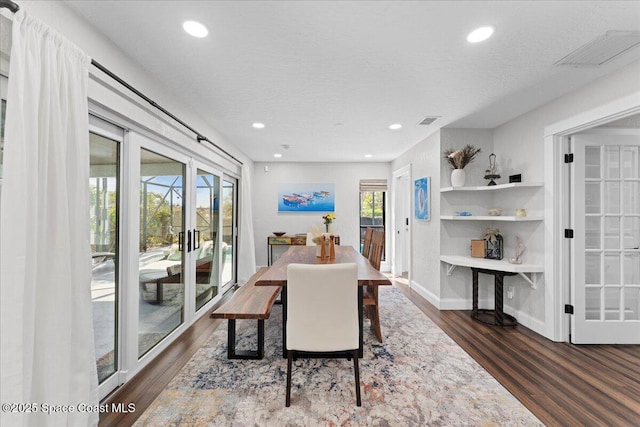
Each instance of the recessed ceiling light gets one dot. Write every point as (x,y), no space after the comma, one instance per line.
(195,29)
(480,34)
(368,156)
(258,125)
(395,126)
(277,155)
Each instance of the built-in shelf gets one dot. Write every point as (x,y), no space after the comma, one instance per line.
(494,264)
(493,187)
(491,218)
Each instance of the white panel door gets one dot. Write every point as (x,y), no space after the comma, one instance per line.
(606,256)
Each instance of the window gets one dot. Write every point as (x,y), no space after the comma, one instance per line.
(372,206)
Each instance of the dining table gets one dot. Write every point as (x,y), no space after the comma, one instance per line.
(276,275)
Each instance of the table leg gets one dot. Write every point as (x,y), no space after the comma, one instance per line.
(283,298)
(361,323)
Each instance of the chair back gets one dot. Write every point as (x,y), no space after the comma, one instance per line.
(322,307)
(377,249)
(366,247)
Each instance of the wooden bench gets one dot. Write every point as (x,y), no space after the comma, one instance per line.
(248,302)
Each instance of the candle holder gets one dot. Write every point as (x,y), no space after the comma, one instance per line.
(491,172)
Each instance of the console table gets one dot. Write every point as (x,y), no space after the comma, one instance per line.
(295,240)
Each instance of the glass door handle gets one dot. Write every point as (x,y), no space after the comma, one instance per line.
(196,239)
(188,241)
(180,240)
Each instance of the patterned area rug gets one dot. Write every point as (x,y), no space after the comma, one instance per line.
(418,376)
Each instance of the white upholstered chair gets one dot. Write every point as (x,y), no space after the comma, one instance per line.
(322,313)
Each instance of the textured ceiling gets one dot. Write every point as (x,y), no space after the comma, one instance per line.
(329,77)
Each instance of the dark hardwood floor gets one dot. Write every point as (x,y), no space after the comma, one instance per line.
(562,384)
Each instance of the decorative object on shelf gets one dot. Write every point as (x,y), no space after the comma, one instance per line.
(328,219)
(495,211)
(457,160)
(458,177)
(494,243)
(463,213)
(478,248)
(491,173)
(279,233)
(421,198)
(515,178)
(521,212)
(520,248)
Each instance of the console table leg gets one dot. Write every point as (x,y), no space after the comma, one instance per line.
(498,299)
(474,309)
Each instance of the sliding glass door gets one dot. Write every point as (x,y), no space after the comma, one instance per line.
(162,244)
(206,252)
(105,141)
(162,241)
(229,230)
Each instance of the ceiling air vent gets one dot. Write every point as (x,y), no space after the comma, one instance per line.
(602,49)
(428,120)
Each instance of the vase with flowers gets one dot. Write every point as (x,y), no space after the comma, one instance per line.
(457,160)
(328,219)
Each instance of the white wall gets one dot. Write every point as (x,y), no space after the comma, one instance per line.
(456,292)
(424,159)
(346,177)
(518,145)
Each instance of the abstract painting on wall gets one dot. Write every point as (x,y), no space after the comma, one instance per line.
(421,198)
(306,198)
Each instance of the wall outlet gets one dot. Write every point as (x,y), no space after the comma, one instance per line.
(510,292)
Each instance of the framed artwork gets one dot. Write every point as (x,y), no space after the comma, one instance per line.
(306,198)
(421,198)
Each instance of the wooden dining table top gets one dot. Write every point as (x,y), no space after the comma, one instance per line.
(277,273)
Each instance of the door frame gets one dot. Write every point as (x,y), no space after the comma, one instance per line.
(557,208)
(397,211)
(106,129)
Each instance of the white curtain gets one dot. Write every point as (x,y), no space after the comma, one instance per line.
(247,249)
(47,353)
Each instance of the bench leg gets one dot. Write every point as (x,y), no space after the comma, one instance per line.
(232,353)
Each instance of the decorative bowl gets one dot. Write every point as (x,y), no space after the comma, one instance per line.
(279,233)
(495,211)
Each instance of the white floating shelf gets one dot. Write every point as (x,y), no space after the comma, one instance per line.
(492,218)
(494,264)
(493,187)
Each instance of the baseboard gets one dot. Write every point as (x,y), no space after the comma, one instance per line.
(524,319)
(426,294)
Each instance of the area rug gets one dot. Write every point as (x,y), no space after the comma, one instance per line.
(417,377)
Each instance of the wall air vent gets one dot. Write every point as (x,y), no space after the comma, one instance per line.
(428,120)
(602,49)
